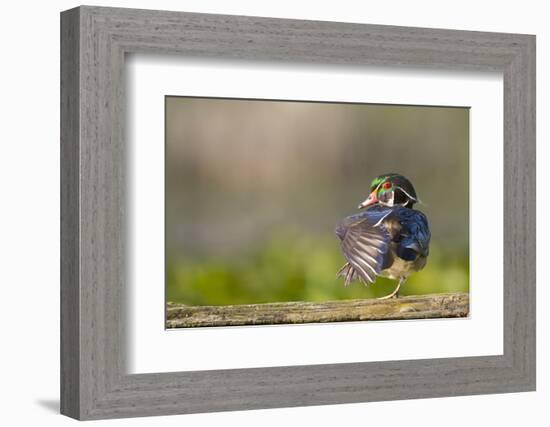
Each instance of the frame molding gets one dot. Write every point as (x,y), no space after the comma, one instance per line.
(94,382)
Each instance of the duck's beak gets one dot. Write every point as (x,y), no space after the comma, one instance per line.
(371,200)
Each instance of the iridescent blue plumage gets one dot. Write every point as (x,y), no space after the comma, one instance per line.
(413,239)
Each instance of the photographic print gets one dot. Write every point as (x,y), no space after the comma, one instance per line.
(282,212)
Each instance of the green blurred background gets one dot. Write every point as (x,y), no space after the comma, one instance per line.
(254,190)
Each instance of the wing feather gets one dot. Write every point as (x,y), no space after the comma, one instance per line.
(365,244)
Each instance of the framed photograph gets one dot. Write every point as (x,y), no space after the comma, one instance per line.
(262,213)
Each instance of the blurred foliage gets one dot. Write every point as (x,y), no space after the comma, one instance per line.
(288,268)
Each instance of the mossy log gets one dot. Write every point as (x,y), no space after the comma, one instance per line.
(409,307)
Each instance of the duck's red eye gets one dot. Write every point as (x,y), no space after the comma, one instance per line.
(386,185)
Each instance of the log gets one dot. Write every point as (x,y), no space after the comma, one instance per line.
(409,307)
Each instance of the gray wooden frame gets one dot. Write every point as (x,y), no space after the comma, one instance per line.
(94,382)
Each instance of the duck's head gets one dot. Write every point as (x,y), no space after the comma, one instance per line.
(391,189)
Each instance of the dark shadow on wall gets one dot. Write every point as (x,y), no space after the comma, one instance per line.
(51,405)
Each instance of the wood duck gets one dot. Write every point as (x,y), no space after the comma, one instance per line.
(389,239)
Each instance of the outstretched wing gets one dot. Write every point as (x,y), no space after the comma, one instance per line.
(365,243)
